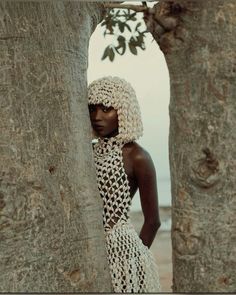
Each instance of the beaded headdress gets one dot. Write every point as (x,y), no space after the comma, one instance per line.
(119,94)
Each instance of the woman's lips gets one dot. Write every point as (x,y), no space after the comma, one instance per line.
(97,127)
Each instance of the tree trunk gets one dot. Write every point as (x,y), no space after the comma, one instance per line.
(198,40)
(51,232)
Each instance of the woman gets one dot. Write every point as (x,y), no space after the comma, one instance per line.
(122,167)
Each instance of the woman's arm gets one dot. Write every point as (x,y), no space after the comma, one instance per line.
(145,175)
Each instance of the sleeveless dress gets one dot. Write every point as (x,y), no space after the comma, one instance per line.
(132,265)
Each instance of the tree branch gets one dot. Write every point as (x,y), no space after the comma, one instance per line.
(146,10)
(137,8)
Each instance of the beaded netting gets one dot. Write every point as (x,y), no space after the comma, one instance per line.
(112,181)
(117,93)
(132,265)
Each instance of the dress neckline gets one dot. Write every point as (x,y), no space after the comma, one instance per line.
(106,145)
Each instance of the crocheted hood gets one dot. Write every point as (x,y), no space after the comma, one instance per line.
(119,94)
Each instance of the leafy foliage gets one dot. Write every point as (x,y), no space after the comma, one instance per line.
(118,20)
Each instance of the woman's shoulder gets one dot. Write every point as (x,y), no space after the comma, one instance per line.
(136,152)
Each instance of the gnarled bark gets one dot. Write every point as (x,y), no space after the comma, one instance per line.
(51,232)
(198,40)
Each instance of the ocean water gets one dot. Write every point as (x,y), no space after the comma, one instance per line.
(164,195)
(164,200)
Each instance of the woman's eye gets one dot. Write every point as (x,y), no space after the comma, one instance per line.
(91,109)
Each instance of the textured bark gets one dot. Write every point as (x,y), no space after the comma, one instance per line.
(51,232)
(198,40)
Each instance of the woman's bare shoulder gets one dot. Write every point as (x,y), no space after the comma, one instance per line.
(136,152)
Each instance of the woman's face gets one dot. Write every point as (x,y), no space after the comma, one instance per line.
(104,120)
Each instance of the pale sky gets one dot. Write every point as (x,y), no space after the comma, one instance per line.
(148,74)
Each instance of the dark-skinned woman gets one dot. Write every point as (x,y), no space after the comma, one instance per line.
(122,168)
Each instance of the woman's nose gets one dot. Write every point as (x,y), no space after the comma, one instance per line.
(97,114)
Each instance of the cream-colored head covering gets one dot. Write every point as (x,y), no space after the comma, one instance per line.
(119,94)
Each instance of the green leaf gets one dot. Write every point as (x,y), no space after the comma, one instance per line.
(123,49)
(121,26)
(111,54)
(138,25)
(121,39)
(132,16)
(143,33)
(106,53)
(133,49)
(140,40)
(132,41)
(123,46)
(127,26)
(118,14)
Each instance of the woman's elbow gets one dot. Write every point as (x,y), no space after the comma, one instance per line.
(158,225)
(155,224)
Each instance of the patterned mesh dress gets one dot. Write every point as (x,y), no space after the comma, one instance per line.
(131,263)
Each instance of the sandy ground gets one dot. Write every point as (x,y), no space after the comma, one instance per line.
(161,247)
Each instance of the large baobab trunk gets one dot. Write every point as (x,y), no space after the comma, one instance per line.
(51,233)
(198,40)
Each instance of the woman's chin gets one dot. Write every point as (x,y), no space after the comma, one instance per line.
(101,134)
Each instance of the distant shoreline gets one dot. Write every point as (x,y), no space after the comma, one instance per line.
(165,216)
